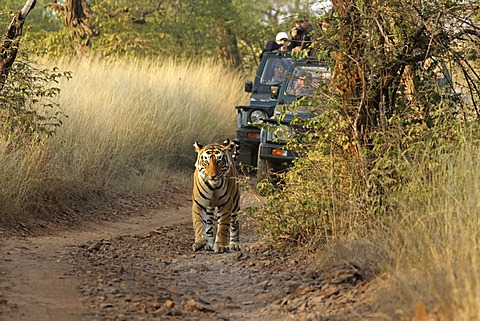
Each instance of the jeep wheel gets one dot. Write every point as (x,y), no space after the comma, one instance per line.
(248,154)
(263,168)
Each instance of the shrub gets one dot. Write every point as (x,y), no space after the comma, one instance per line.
(331,194)
(28,110)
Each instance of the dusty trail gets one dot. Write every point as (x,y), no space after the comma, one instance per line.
(142,268)
(37,281)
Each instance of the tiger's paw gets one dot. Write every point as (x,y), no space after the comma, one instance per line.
(209,247)
(234,246)
(220,248)
(199,245)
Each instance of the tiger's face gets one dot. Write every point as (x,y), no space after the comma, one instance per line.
(212,161)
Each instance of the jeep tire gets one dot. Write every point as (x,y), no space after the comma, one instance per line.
(263,168)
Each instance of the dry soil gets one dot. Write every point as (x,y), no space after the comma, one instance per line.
(138,265)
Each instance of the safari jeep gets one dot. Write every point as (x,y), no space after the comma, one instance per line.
(302,79)
(261,105)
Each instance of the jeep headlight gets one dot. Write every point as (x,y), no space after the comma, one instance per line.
(256,116)
(282,133)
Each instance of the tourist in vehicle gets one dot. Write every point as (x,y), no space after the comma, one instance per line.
(307,37)
(270,45)
(282,39)
(278,73)
(301,37)
(301,85)
(280,43)
(296,35)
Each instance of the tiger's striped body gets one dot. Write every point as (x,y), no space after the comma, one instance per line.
(215,188)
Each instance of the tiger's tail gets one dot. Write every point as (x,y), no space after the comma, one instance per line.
(234,148)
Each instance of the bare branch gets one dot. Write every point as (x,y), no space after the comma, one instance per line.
(9,49)
(29,5)
(145,13)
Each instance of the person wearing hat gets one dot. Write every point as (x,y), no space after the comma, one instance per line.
(280,43)
(282,39)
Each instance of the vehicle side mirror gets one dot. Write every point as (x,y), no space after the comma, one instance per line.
(274,92)
(248,86)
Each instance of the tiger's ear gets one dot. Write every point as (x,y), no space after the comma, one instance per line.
(197,146)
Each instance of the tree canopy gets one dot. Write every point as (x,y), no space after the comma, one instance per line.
(233,31)
(402,59)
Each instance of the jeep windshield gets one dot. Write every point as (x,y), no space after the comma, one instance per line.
(305,79)
(274,71)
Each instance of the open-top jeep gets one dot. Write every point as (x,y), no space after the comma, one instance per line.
(270,73)
(302,79)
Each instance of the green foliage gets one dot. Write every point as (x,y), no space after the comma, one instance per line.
(387,108)
(323,196)
(28,109)
(181,29)
(328,196)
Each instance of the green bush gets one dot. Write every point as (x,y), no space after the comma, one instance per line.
(28,110)
(329,194)
(323,195)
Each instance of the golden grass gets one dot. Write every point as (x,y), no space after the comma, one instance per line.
(434,243)
(423,252)
(129,126)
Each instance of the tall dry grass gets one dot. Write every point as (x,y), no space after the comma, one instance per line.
(422,246)
(435,243)
(129,126)
(428,248)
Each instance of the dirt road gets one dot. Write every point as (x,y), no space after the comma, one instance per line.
(143,268)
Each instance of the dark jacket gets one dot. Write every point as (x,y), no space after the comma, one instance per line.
(270,45)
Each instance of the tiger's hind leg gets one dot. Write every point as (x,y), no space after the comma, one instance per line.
(234,233)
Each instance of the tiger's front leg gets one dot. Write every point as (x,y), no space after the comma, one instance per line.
(202,218)
(198,214)
(221,241)
(209,218)
(198,227)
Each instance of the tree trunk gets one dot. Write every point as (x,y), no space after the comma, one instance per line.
(346,75)
(10,43)
(76,19)
(361,97)
(228,47)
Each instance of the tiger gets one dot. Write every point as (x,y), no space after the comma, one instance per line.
(216,188)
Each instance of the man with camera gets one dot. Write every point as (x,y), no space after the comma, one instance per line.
(301,38)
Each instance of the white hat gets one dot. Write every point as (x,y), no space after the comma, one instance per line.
(281,35)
